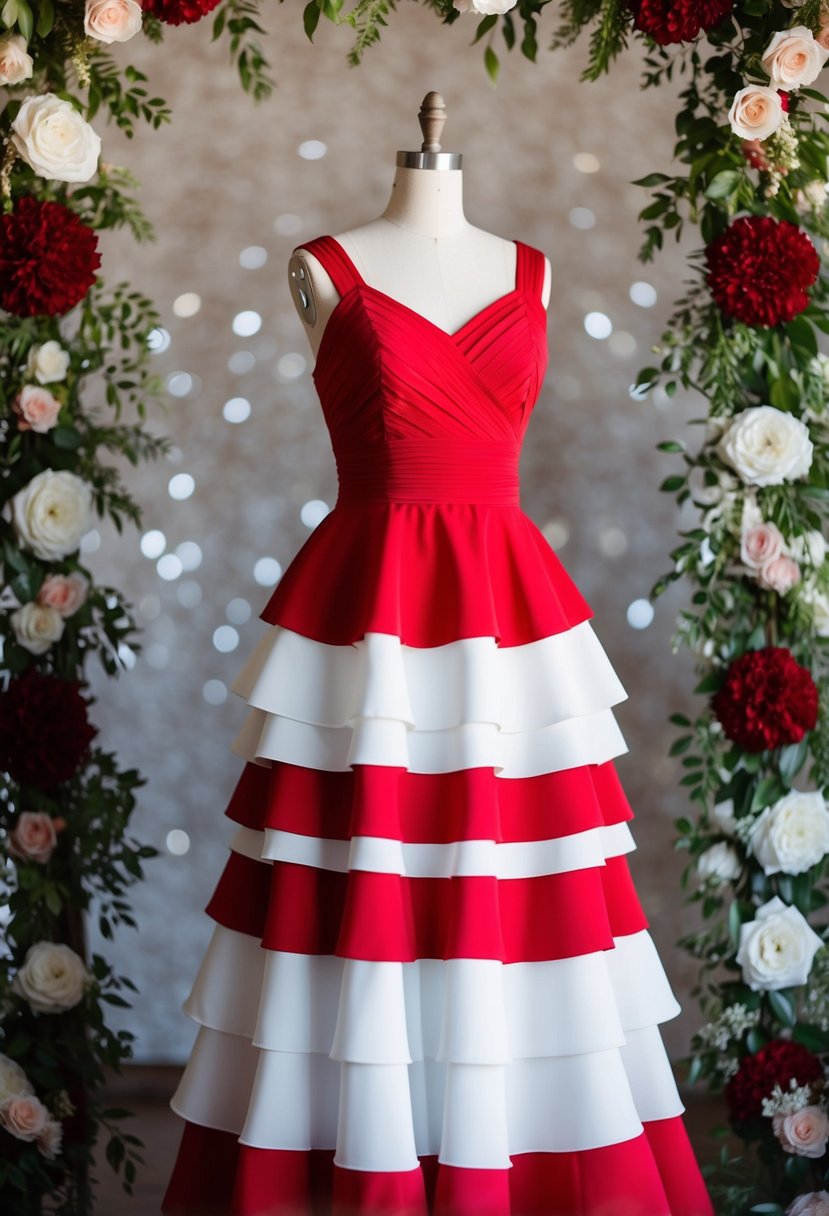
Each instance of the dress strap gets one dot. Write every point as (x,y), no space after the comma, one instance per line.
(529,269)
(342,271)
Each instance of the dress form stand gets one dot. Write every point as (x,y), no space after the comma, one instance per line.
(422,250)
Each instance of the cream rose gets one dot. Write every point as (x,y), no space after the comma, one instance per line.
(112,20)
(48,362)
(724,817)
(793,57)
(818,601)
(766,446)
(36,409)
(761,544)
(55,140)
(719,864)
(37,627)
(814,1204)
(13,1080)
(756,112)
(780,575)
(53,978)
(51,513)
(33,837)
(777,948)
(24,1116)
(792,835)
(66,593)
(50,1140)
(16,63)
(486,8)
(803,1133)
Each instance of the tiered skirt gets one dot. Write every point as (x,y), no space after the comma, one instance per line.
(430,986)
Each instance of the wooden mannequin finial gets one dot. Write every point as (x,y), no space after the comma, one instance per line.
(432,119)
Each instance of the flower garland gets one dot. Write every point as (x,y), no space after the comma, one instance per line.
(65,803)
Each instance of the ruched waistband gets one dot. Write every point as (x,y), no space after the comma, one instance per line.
(430,471)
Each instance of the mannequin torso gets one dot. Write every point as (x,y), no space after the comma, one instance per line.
(422,252)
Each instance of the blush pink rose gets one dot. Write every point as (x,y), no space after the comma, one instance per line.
(112,20)
(66,593)
(803,1133)
(33,837)
(761,545)
(780,575)
(24,1116)
(36,409)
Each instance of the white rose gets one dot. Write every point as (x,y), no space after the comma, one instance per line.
(13,1080)
(15,63)
(50,1140)
(112,20)
(48,362)
(818,601)
(53,978)
(485,7)
(793,57)
(51,513)
(55,140)
(814,1204)
(792,835)
(777,948)
(719,864)
(756,112)
(724,817)
(767,446)
(37,627)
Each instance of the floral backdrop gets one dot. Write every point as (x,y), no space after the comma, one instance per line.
(748,201)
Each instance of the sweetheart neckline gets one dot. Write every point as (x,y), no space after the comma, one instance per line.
(450,336)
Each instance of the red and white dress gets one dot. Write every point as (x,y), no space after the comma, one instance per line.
(430,988)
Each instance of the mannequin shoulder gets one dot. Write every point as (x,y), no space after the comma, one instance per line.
(311,286)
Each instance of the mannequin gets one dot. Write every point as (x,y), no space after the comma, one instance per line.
(422,250)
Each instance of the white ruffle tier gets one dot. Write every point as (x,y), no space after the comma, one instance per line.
(523,710)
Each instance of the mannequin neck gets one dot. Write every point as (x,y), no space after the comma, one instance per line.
(428,202)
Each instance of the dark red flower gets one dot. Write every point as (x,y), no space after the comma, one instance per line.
(767,700)
(759,270)
(44,729)
(678,20)
(778,1063)
(48,259)
(175,12)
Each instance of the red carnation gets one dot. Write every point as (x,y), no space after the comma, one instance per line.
(767,700)
(174,12)
(48,259)
(678,20)
(44,729)
(778,1063)
(759,270)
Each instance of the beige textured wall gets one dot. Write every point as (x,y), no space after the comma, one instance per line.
(227,176)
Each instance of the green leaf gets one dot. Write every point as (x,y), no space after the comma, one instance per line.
(492,64)
(484,26)
(724,184)
(45,18)
(734,921)
(310,18)
(652,179)
(25,19)
(675,482)
(782,1006)
(67,437)
(709,683)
